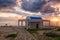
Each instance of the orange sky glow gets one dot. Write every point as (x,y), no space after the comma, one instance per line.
(11,15)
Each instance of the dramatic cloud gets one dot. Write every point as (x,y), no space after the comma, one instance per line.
(58,1)
(38,5)
(7,3)
(47,9)
(32,5)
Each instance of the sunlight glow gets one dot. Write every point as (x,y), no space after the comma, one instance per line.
(59,15)
(54,19)
(12,15)
(2,14)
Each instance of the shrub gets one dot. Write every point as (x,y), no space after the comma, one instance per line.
(58,29)
(32,30)
(11,36)
(53,35)
(57,38)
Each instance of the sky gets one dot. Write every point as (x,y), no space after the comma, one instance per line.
(12,10)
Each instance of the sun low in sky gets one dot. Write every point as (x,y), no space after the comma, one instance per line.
(55,19)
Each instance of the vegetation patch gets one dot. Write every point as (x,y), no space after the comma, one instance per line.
(46,29)
(32,30)
(11,36)
(35,30)
(58,29)
(52,35)
(57,38)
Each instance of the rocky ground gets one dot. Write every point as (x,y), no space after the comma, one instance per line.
(53,34)
(39,35)
(22,34)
